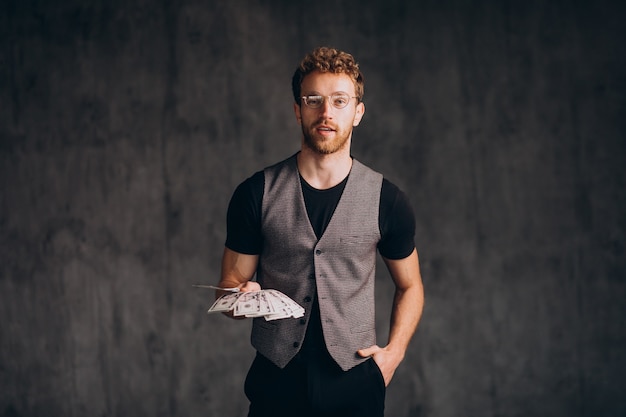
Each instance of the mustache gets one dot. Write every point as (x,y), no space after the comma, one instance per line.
(324,123)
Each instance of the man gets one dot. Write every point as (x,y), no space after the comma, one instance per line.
(310,227)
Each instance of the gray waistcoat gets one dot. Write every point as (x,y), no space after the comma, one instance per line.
(341,265)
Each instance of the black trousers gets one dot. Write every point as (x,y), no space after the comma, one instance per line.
(314,386)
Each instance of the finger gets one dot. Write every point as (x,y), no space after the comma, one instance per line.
(250,286)
(368,351)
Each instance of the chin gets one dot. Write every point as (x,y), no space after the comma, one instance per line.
(325,146)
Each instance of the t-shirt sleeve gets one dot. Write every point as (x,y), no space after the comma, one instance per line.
(397,223)
(243,219)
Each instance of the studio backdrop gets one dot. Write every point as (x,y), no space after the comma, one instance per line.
(125,126)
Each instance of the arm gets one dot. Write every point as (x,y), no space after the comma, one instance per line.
(405,315)
(237,271)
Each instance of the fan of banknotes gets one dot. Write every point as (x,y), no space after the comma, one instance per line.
(269,304)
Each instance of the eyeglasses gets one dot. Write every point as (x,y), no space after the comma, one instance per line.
(338,100)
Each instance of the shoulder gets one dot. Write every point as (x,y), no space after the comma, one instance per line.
(248,194)
(251,185)
(289,163)
(395,206)
(396,221)
(390,193)
(363,169)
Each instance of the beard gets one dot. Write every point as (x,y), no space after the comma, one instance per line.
(321,144)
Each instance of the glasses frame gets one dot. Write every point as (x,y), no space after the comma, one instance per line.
(305,99)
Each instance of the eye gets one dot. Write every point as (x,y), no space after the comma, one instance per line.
(340,100)
(313,101)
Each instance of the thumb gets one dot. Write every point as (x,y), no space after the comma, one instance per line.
(364,353)
(250,286)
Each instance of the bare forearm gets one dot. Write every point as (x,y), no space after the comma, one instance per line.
(237,268)
(237,271)
(405,316)
(408,302)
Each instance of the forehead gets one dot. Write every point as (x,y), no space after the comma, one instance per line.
(327,83)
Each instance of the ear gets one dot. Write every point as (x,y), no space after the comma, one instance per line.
(296,109)
(360,111)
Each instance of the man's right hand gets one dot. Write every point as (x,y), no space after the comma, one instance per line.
(249,286)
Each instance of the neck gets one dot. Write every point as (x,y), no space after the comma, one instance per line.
(324,171)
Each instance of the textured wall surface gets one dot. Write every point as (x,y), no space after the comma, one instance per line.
(126,125)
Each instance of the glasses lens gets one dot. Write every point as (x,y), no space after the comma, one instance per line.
(340,100)
(313,101)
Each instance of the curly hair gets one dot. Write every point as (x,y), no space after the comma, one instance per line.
(331,60)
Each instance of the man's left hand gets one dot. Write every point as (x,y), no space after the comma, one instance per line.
(386,360)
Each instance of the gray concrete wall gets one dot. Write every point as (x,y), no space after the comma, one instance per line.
(126,125)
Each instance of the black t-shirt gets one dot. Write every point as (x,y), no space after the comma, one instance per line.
(396,220)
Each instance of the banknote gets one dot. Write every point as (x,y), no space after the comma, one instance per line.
(270,304)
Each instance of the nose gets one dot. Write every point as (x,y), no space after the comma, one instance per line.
(327,108)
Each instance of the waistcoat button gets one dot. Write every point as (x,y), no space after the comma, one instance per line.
(318,252)
(302,321)
(307,299)
(296,344)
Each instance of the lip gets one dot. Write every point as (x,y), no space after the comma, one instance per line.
(324,129)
